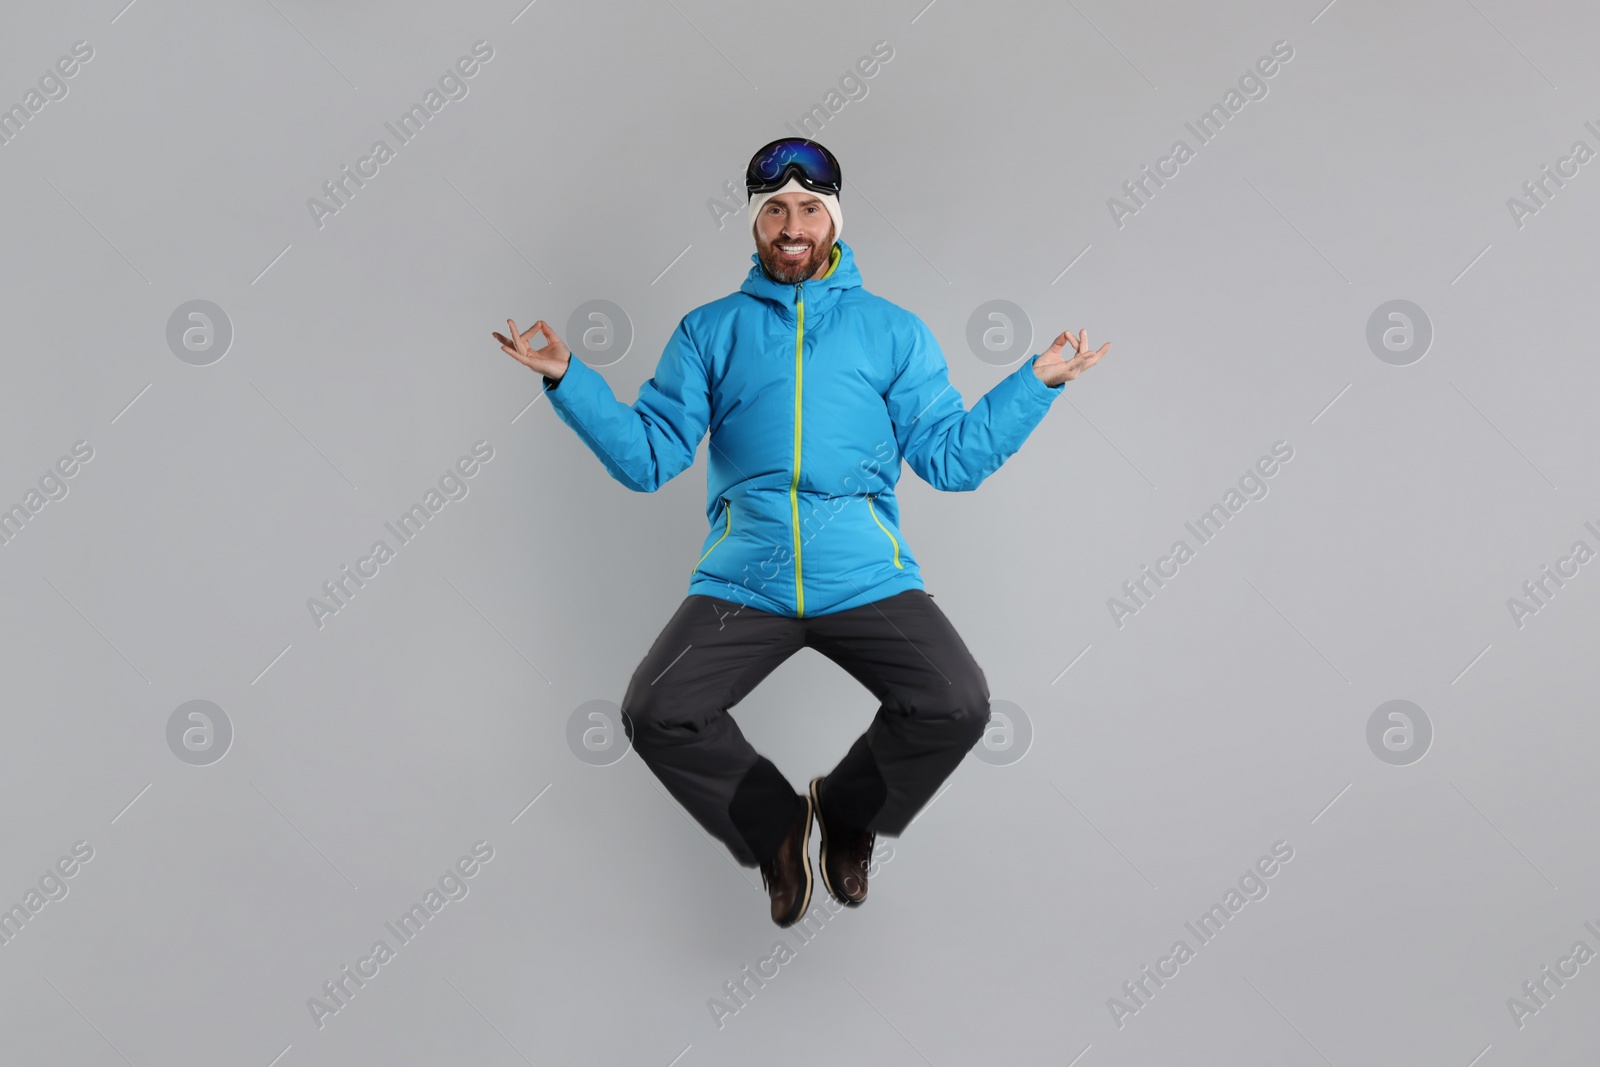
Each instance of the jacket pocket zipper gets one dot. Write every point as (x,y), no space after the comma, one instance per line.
(727,506)
(892,539)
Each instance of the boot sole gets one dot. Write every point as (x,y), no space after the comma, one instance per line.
(805,858)
(822,848)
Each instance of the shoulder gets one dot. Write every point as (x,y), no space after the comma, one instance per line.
(704,322)
(903,327)
(720,308)
(712,317)
(866,302)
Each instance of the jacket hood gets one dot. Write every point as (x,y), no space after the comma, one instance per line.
(820,294)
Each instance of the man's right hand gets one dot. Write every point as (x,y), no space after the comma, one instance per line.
(550,361)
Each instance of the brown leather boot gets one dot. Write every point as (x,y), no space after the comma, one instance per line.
(845,854)
(787,876)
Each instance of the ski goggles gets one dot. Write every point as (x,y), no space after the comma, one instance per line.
(812,165)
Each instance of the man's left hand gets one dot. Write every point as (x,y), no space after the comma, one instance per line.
(1051,369)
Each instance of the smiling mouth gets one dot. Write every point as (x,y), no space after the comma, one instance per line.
(792,251)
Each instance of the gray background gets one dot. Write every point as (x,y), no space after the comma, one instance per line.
(1229,714)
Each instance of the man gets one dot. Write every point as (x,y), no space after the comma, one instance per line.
(812,389)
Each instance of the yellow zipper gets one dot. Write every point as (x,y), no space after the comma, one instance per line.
(794,483)
(727,529)
(892,539)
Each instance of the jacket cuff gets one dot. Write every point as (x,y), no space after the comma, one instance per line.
(1035,386)
(572,379)
(551,383)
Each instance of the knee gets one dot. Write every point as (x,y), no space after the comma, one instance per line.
(964,711)
(973,720)
(641,713)
(651,718)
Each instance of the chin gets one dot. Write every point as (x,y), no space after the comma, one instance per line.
(788,273)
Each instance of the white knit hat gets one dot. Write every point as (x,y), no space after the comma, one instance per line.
(829,201)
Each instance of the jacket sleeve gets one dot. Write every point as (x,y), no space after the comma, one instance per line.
(649,443)
(949,447)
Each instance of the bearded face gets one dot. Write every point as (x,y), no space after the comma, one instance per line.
(794,237)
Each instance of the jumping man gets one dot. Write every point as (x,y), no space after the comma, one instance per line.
(813,390)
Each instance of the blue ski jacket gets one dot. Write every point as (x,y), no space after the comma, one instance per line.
(812,393)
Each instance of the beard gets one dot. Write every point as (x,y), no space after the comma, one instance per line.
(791,273)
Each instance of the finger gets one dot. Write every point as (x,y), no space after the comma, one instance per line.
(531,330)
